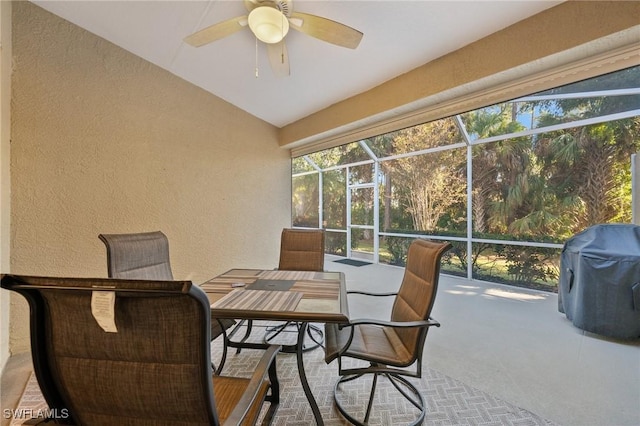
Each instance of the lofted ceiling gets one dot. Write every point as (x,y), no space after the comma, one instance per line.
(398,36)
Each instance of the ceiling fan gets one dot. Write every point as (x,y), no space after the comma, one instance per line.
(270,21)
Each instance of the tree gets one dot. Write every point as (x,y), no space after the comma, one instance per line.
(305,200)
(500,169)
(429,184)
(588,166)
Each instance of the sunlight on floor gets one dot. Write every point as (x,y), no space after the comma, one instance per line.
(465,290)
(515,295)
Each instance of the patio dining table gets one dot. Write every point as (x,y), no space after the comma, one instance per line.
(274,295)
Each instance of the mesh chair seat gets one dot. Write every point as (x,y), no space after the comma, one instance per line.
(370,343)
(234,388)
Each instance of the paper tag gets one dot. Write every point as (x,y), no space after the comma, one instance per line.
(103,308)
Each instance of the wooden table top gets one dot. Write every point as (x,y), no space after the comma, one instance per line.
(278,295)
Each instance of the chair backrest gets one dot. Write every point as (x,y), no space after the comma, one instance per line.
(138,256)
(418,290)
(156,369)
(302,250)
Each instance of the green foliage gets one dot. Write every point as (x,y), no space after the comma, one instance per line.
(530,264)
(335,243)
(356,236)
(334,196)
(397,247)
(523,266)
(304,204)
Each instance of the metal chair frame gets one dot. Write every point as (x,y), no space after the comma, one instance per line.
(395,370)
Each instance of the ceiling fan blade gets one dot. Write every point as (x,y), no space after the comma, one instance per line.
(216,31)
(326,29)
(279,59)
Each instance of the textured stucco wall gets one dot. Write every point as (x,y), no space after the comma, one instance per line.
(103,141)
(5,176)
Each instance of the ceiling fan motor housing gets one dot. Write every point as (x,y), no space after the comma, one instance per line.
(283,6)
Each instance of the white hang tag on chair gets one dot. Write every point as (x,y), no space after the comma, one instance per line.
(103,308)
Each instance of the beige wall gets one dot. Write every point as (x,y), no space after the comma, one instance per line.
(5,176)
(103,141)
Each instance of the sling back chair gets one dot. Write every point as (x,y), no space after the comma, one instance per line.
(300,250)
(135,352)
(145,256)
(391,346)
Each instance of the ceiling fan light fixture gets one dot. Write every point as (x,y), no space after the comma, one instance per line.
(268,24)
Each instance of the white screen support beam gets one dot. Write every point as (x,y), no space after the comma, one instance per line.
(635,188)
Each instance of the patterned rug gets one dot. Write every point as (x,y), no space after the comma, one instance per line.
(449,401)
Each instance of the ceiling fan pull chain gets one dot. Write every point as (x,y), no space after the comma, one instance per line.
(257,73)
(282,42)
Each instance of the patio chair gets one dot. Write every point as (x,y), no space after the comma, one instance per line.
(145,256)
(138,256)
(300,250)
(140,358)
(390,347)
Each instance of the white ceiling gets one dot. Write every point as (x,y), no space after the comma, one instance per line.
(398,36)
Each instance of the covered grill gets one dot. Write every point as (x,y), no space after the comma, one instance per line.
(599,287)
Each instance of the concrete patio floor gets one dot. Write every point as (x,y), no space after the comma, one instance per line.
(514,344)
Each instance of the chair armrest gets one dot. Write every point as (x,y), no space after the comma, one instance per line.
(396,324)
(370,294)
(267,363)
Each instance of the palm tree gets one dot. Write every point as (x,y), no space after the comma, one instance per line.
(586,167)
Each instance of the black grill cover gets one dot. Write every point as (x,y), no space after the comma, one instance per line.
(599,288)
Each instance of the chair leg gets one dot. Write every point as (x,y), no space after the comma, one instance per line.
(318,339)
(272,332)
(418,402)
(320,333)
(223,357)
(246,334)
(274,397)
(373,393)
(410,392)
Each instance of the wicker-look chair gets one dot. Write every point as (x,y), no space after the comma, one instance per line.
(145,256)
(152,369)
(391,346)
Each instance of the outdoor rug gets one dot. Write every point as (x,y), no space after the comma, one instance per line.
(449,401)
(352,262)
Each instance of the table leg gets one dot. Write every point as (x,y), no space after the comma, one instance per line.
(303,375)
